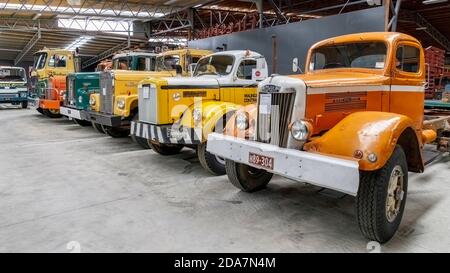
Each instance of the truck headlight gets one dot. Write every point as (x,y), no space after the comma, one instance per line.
(301,130)
(80,98)
(121,104)
(92,101)
(242,121)
(197,115)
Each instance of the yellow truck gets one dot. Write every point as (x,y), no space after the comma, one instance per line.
(116,105)
(181,112)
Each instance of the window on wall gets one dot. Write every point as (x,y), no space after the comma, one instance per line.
(245,69)
(57,61)
(408,59)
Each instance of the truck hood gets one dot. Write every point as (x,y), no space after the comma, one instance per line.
(138,75)
(192,82)
(341,78)
(85,76)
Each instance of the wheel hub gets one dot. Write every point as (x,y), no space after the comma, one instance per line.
(395,194)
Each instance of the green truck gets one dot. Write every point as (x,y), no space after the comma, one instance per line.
(81,85)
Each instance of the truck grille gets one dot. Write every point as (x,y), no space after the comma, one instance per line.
(273,122)
(71,96)
(148,106)
(106,93)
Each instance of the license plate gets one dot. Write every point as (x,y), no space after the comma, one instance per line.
(261,160)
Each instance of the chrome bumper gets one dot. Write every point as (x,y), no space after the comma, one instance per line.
(335,173)
(71,113)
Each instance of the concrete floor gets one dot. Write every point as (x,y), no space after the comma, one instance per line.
(62,183)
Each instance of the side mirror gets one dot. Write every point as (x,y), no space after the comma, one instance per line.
(295,65)
(178,69)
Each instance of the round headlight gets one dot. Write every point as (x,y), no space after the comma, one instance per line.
(300,130)
(92,101)
(121,104)
(242,121)
(197,115)
(80,98)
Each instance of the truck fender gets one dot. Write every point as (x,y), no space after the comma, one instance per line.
(364,133)
(212,113)
(131,103)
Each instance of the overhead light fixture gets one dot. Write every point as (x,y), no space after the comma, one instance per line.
(430,2)
(78,42)
(421,28)
(37,16)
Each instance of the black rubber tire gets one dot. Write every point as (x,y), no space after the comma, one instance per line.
(371,199)
(246,178)
(98,128)
(82,123)
(116,132)
(209,161)
(50,114)
(139,140)
(164,149)
(24,104)
(40,110)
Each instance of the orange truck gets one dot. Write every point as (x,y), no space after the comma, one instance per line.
(353,122)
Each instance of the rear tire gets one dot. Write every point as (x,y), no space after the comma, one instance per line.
(24,104)
(98,128)
(211,162)
(83,123)
(381,198)
(165,149)
(246,178)
(139,140)
(52,114)
(116,132)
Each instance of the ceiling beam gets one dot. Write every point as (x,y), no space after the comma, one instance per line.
(432,31)
(28,47)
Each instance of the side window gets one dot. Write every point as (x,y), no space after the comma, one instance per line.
(58,61)
(408,59)
(245,69)
(141,64)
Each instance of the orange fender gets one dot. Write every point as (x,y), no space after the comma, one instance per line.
(363,133)
(231,128)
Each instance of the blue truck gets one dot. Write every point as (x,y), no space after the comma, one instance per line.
(13,86)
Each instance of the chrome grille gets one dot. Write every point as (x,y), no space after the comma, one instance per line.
(71,96)
(106,92)
(148,104)
(273,120)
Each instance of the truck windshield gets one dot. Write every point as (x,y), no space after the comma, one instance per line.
(122,63)
(167,62)
(215,65)
(371,55)
(40,60)
(12,75)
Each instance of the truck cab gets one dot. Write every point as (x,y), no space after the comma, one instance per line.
(13,86)
(181,112)
(81,85)
(48,79)
(116,105)
(353,123)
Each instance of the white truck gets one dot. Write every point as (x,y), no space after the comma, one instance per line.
(13,86)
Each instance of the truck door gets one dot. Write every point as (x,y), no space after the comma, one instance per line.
(407,82)
(245,90)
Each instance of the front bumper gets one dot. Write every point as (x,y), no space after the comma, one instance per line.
(12,98)
(335,173)
(33,103)
(72,113)
(167,134)
(103,119)
(50,104)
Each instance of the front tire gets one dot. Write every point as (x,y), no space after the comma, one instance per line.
(116,132)
(24,104)
(165,149)
(210,162)
(98,128)
(82,123)
(52,113)
(139,140)
(246,178)
(381,198)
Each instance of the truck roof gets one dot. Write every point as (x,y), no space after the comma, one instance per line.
(239,53)
(192,50)
(390,37)
(11,67)
(135,53)
(57,50)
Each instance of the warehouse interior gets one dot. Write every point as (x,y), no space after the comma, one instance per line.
(66,188)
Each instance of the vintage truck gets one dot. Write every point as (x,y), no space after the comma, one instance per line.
(117,103)
(13,86)
(48,77)
(179,112)
(81,85)
(353,123)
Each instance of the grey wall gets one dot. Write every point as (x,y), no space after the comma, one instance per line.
(294,40)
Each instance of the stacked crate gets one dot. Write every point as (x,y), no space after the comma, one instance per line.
(435,60)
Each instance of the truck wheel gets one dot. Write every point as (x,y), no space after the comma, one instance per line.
(165,149)
(98,128)
(83,123)
(139,140)
(24,104)
(211,162)
(247,178)
(381,198)
(40,110)
(52,113)
(116,132)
